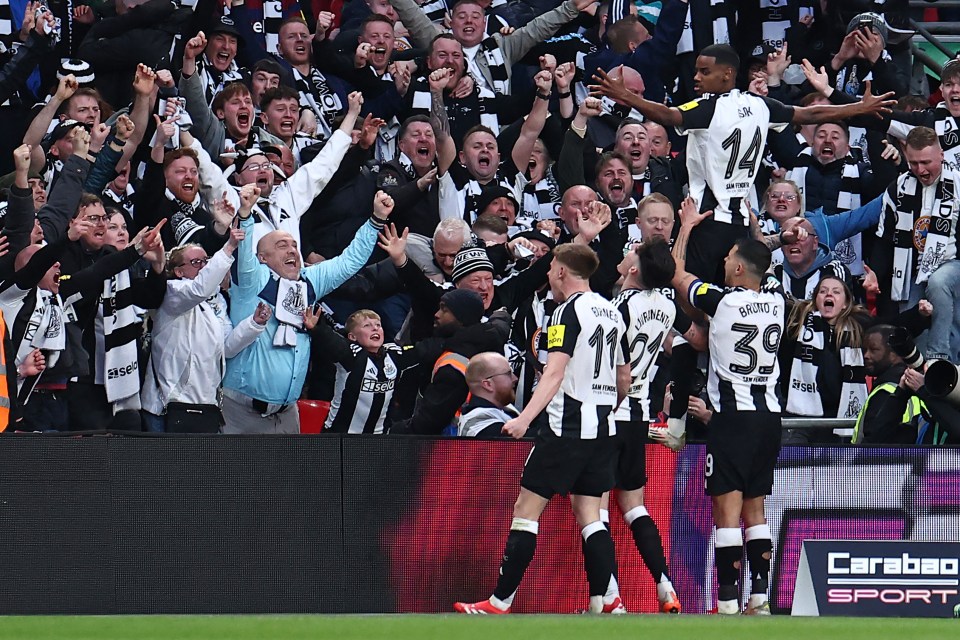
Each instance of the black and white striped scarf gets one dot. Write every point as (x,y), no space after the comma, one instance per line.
(625,215)
(317,94)
(530,336)
(120,327)
(124,200)
(272,21)
(6,26)
(810,386)
(45,327)
(915,258)
(948,131)
(420,88)
(804,287)
(435,10)
(541,200)
(708,22)
(850,250)
(182,222)
(212,80)
(499,72)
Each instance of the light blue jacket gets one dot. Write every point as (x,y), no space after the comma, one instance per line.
(263,371)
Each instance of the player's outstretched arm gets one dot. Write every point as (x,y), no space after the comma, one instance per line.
(690,217)
(869,105)
(616,90)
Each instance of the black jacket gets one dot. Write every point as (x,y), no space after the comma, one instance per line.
(447,390)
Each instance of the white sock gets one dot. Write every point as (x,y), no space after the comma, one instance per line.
(591,529)
(503,605)
(677,427)
(596,604)
(664,589)
(605,516)
(613,591)
(633,514)
(757,600)
(728,607)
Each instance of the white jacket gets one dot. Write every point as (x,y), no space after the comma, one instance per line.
(192,335)
(288,200)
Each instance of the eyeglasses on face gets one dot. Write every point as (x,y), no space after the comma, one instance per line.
(789,197)
(198,262)
(258,167)
(502,373)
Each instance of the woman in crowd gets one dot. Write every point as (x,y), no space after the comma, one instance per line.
(192,337)
(822,359)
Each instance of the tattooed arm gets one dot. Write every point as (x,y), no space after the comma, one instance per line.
(689,218)
(773,241)
(446,148)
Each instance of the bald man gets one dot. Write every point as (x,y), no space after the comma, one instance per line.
(805,262)
(492,391)
(603,129)
(264,381)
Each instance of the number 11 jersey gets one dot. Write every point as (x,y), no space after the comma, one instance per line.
(727,134)
(745,331)
(589,329)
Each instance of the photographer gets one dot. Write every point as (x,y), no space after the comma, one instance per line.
(893,413)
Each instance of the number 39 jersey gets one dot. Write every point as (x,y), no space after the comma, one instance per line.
(727,134)
(589,329)
(745,330)
(648,316)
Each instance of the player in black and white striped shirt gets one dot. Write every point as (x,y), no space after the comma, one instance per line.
(585,378)
(727,132)
(743,441)
(649,317)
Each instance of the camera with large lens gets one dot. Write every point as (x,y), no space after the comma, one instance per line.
(942,380)
(903,345)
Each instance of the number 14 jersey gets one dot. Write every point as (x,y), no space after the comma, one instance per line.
(745,330)
(727,135)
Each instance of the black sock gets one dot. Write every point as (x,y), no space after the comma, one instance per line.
(517,555)
(683,362)
(728,571)
(647,538)
(599,560)
(759,565)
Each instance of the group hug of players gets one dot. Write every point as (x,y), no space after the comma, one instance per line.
(595,387)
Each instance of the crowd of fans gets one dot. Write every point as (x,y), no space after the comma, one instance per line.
(215,210)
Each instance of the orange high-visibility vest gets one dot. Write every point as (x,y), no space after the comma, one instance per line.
(456,361)
(4,385)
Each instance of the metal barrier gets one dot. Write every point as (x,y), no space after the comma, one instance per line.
(928,29)
(818,423)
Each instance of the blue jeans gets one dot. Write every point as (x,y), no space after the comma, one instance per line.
(154,423)
(943,292)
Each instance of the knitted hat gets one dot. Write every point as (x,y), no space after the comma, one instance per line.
(80,69)
(489,194)
(466,305)
(874,20)
(468,261)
